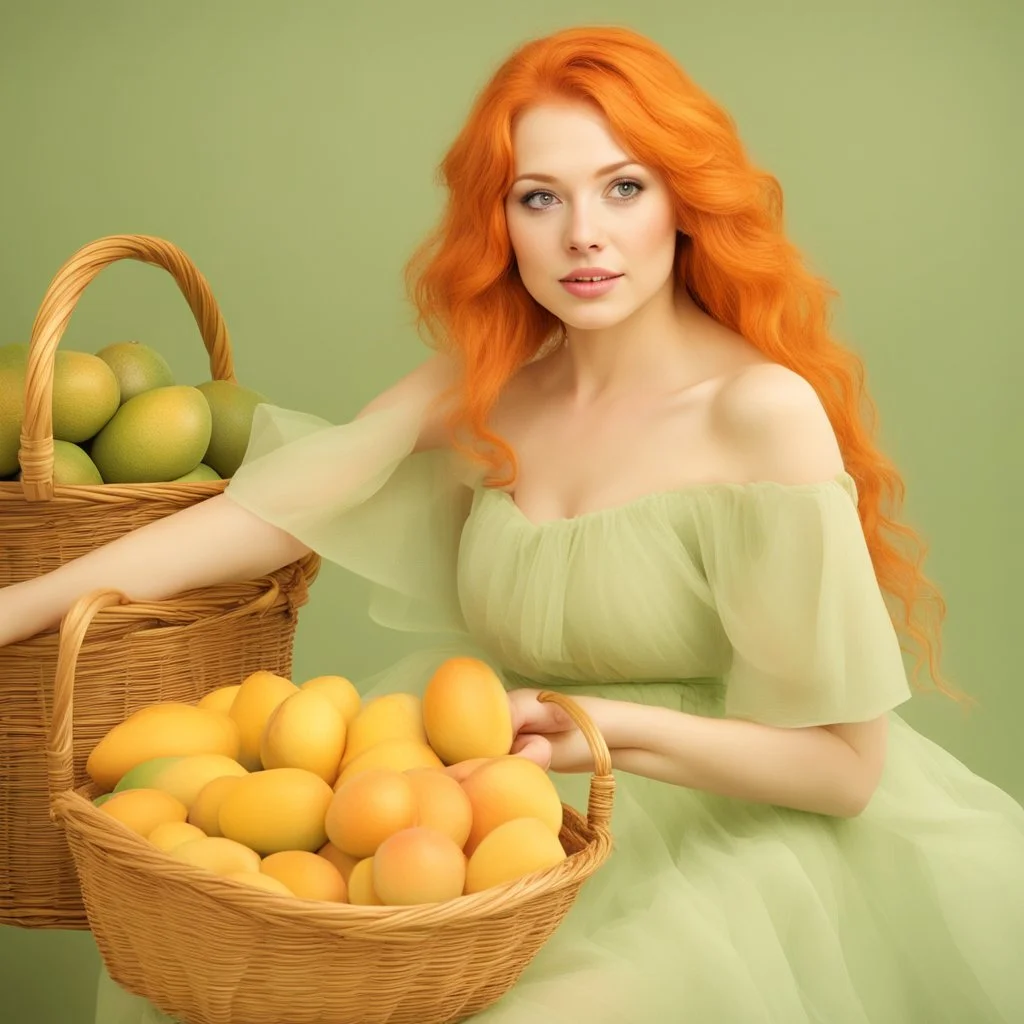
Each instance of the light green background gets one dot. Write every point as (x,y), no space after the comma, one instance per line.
(290,150)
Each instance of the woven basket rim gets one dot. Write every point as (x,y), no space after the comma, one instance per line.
(77,813)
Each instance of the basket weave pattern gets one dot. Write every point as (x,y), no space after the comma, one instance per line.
(211,951)
(139,655)
(195,643)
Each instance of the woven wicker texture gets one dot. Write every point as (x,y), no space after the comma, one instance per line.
(211,951)
(135,656)
(126,663)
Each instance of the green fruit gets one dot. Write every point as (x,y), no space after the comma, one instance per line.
(13,361)
(85,395)
(143,774)
(231,407)
(72,466)
(202,472)
(137,367)
(14,354)
(102,799)
(154,437)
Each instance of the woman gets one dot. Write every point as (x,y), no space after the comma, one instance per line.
(658,494)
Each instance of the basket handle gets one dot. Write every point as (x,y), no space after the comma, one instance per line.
(602,782)
(66,288)
(73,628)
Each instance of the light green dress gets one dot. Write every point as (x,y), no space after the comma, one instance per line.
(753,600)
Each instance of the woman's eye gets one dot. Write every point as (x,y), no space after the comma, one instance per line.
(527,200)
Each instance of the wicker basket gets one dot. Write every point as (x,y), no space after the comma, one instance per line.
(211,951)
(43,526)
(137,655)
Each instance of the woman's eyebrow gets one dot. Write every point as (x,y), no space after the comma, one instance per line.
(554,181)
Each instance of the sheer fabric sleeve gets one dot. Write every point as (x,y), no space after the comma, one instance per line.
(812,642)
(361,496)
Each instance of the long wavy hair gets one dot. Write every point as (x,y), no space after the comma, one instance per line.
(733,258)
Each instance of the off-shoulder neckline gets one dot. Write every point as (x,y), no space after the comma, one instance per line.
(843,479)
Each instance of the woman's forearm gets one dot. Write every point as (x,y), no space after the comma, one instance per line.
(214,541)
(809,769)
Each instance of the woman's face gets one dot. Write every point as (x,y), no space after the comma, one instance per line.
(570,208)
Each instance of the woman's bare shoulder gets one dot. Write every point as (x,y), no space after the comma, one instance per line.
(776,419)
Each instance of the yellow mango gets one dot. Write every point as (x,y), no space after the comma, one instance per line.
(398,755)
(368,808)
(344,862)
(442,804)
(217,854)
(220,699)
(143,809)
(277,809)
(205,810)
(307,875)
(187,776)
(142,775)
(306,730)
(345,696)
(466,711)
(395,716)
(173,833)
(160,730)
(361,892)
(512,850)
(418,865)
(506,788)
(258,695)
(260,881)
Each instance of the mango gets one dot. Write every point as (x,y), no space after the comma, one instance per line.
(170,834)
(398,755)
(418,865)
(217,854)
(231,412)
(260,881)
(442,804)
(143,809)
(142,775)
(85,395)
(136,367)
(220,699)
(395,716)
(158,435)
(201,474)
(466,711)
(160,730)
(368,808)
(340,690)
(463,769)
(510,851)
(258,696)
(187,776)
(205,810)
(72,466)
(306,875)
(277,809)
(306,730)
(344,862)
(510,787)
(361,892)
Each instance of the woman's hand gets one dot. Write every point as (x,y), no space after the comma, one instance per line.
(544,733)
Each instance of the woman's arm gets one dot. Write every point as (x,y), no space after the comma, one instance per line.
(214,541)
(823,769)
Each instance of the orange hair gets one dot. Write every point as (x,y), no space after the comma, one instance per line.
(734,260)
